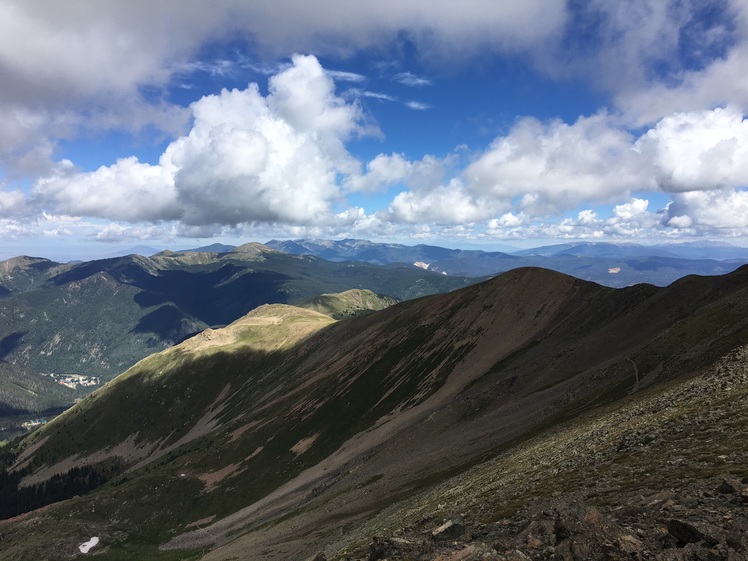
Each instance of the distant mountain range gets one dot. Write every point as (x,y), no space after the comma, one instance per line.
(615,265)
(97,318)
(533,415)
(100,317)
(683,250)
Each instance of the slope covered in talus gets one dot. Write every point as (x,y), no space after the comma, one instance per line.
(226,451)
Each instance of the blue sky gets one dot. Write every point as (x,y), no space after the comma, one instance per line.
(477,124)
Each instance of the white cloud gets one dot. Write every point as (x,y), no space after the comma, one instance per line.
(375,95)
(410,79)
(127,190)
(343,76)
(539,171)
(629,210)
(89,60)
(587,216)
(655,58)
(385,171)
(12,203)
(281,158)
(417,105)
(721,45)
(114,232)
(553,167)
(508,220)
(702,150)
(709,212)
(447,204)
(681,221)
(247,158)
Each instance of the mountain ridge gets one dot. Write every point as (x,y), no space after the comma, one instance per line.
(615,265)
(162,299)
(374,409)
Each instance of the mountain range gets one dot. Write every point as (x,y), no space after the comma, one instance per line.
(532,415)
(615,265)
(97,318)
(94,319)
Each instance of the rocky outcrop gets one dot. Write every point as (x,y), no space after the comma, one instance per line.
(699,525)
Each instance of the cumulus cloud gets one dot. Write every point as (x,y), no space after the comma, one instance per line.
(444,204)
(247,158)
(282,158)
(127,190)
(542,170)
(703,150)
(384,171)
(554,166)
(11,202)
(709,211)
(627,211)
(91,60)
(718,41)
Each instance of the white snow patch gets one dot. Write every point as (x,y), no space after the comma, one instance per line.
(614,270)
(86,547)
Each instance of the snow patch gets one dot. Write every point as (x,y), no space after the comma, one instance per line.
(86,547)
(614,270)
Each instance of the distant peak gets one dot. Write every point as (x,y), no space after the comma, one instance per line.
(21,262)
(253,248)
(166,253)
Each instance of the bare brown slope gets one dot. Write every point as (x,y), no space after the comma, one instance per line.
(525,349)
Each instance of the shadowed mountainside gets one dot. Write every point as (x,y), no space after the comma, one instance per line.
(285,432)
(98,318)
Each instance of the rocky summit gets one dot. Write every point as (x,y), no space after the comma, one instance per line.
(531,416)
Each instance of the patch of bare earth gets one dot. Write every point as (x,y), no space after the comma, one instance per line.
(304,444)
(212,479)
(201,522)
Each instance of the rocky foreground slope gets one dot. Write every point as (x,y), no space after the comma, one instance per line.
(663,474)
(549,413)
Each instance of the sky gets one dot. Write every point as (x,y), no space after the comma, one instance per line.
(182,123)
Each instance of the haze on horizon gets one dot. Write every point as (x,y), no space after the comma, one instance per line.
(480,124)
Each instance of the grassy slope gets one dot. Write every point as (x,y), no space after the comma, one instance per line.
(348,303)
